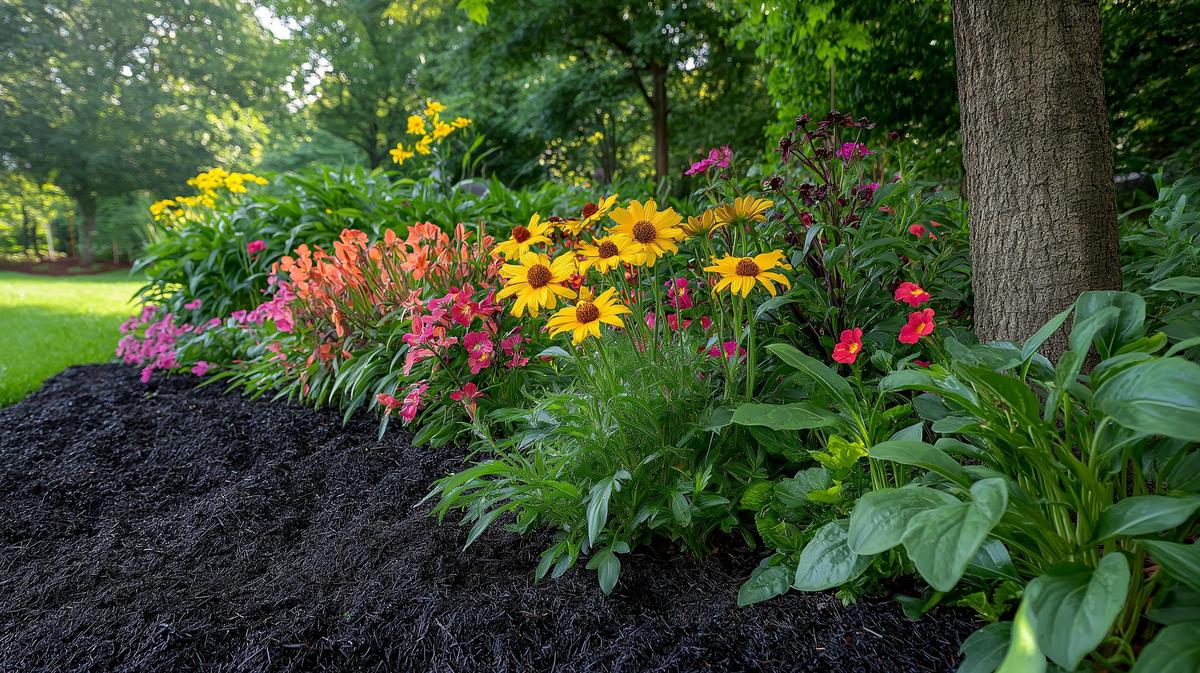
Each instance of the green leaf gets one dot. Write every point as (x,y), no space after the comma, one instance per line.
(1145,514)
(878,521)
(827,562)
(1181,561)
(607,567)
(984,650)
(1023,655)
(1128,326)
(1073,607)
(765,582)
(816,370)
(1159,397)
(597,509)
(941,541)
(1184,284)
(794,416)
(794,493)
(907,452)
(1033,343)
(1176,649)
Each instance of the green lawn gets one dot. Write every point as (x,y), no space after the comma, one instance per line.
(50,323)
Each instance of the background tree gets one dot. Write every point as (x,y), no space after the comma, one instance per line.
(1038,160)
(104,97)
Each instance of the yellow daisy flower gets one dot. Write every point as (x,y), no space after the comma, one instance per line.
(583,319)
(649,233)
(744,209)
(535,281)
(159,207)
(603,254)
(460,122)
(399,154)
(523,238)
(416,125)
(441,129)
(705,224)
(591,214)
(433,107)
(422,146)
(739,274)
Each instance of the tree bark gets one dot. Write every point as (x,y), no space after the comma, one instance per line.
(87,229)
(662,163)
(1038,161)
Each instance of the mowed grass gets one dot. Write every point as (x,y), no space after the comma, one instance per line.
(50,323)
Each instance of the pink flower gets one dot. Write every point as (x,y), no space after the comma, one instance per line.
(850,151)
(255,247)
(388,402)
(920,323)
(480,350)
(412,402)
(919,231)
(848,347)
(467,396)
(911,293)
(193,304)
(673,322)
(146,372)
(512,348)
(705,322)
(239,316)
(277,348)
(716,157)
(200,368)
(729,348)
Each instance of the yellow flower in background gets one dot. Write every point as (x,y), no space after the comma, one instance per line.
(704,224)
(739,274)
(158,208)
(423,145)
(603,254)
(648,233)
(433,107)
(523,238)
(416,125)
(591,214)
(536,281)
(584,318)
(460,123)
(744,209)
(399,154)
(441,129)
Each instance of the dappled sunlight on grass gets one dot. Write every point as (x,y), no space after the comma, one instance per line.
(50,323)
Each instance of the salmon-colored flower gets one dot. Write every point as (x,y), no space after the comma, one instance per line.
(911,294)
(467,396)
(920,231)
(848,348)
(920,323)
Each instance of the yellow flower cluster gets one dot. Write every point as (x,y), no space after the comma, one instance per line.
(640,235)
(208,185)
(432,129)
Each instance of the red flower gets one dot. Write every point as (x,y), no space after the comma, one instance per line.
(847,350)
(255,247)
(919,231)
(467,396)
(921,363)
(920,323)
(911,294)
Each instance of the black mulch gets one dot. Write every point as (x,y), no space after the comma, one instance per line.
(165,528)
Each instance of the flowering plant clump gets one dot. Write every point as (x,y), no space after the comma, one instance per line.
(212,187)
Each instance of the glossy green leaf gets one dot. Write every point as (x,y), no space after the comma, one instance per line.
(827,561)
(794,416)
(1023,655)
(907,452)
(1145,514)
(1181,561)
(1128,326)
(1072,608)
(765,583)
(1185,284)
(1033,343)
(941,541)
(607,567)
(1176,649)
(818,371)
(879,519)
(1159,397)
(984,650)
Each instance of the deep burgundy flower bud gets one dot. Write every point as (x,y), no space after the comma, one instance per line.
(776,216)
(802,120)
(893,135)
(806,218)
(773,184)
(785,148)
(791,238)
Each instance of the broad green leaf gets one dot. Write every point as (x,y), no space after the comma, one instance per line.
(1072,608)
(1033,343)
(984,650)
(1160,397)
(1181,561)
(941,541)
(607,567)
(1176,649)
(1023,655)
(1086,329)
(1128,326)
(765,583)
(597,509)
(794,416)
(878,521)
(819,372)
(1184,284)
(1145,514)
(924,455)
(827,562)
(794,493)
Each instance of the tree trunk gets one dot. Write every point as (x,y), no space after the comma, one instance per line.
(1038,161)
(87,229)
(662,163)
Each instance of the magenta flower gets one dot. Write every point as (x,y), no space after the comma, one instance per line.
(193,304)
(480,350)
(851,151)
(200,368)
(255,247)
(512,348)
(729,347)
(412,402)
(467,396)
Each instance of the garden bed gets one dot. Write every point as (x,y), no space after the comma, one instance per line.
(165,528)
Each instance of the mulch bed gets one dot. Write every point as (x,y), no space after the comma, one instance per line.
(66,266)
(169,528)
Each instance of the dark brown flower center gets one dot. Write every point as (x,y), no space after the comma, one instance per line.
(538,276)
(520,234)
(586,311)
(589,209)
(747,267)
(607,249)
(644,232)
